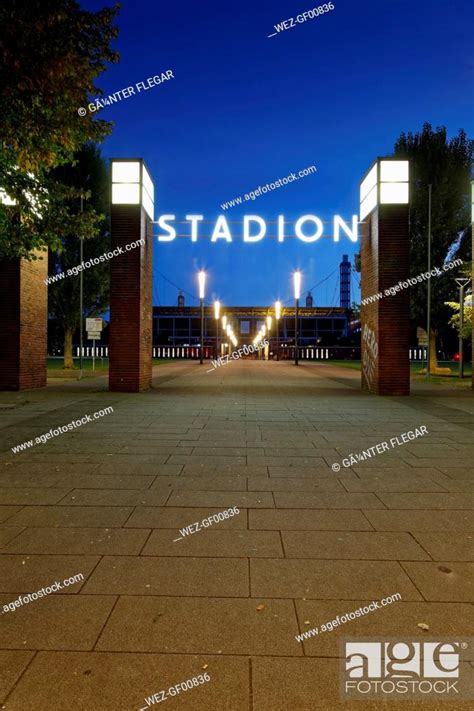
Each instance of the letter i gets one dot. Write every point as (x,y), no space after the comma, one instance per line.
(281,228)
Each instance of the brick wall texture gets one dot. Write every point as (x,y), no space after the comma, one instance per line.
(131,316)
(385,323)
(24,302)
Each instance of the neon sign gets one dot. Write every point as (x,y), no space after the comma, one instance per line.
(308,228)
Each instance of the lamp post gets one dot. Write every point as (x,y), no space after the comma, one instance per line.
(81,298)
(277,318)
(461,282)
(224,326)
(202,284)
(269,326)
(297,291)
(217,310)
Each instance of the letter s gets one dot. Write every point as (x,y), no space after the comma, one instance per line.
(170,230)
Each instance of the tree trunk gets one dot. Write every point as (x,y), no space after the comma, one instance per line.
(433,354)
(68,360)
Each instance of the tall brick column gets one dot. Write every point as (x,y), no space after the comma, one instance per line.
(131,318)
(24,308)
(385,324)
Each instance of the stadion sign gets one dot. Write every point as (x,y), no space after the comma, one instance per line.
(308,228)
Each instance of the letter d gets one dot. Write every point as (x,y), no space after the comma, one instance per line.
(259,221)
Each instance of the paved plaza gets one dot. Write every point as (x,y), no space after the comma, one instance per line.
(107,501)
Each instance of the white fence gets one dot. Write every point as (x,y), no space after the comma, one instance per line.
(415,354)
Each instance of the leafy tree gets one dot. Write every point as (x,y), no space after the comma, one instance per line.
(467,316)
(446,165)
(89,170)
(50,55)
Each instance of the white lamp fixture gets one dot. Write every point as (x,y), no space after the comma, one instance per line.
(269,323)
(132,185)
(297,284)
(386,183)
(277,310)
(202,283)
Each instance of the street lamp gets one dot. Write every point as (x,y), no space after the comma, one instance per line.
(297,292)
(202,285)
(461,282)
(217,310)
(277,318)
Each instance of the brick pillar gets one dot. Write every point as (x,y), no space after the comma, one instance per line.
(24,308)
(131,321)
(385,325)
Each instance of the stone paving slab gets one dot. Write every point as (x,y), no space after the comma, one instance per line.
(400,619)
(221,499)
(232,626)
(66,516)
(31,496)
(179,517)
(117,497)
(443,580)
(77,541)
(447,546)
(307,500)
(6,534)
(293,484)
(313,685)
(111,681)
(55,622)
(413,521)
(215,543)
(12,665)
(353,545)
(106,481)
(29,573)
(329,579)
(128,575)
(308,520)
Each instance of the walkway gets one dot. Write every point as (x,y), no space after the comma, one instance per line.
(107,500)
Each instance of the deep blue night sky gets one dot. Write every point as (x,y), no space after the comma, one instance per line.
(245,110)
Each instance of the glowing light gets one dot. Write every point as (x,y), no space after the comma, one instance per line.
(297,284)
(269,323)
(277,310)
(132,185)
(224,322)
(387,183)
(217,309)
(202,283)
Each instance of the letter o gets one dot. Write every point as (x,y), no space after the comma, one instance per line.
(308,218)
(368,687)
(343,618)
(48,591)
(425,681)
(390,690)
(34,596)
(56,432)
(366,610)
(264,189)
(352,615)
